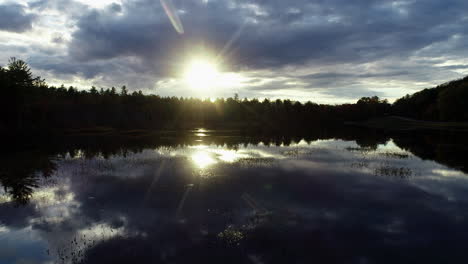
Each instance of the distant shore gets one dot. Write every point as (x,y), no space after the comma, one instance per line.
(398,123)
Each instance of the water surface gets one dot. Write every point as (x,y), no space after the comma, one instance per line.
(221,198)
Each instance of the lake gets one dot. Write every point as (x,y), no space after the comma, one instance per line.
(207,196)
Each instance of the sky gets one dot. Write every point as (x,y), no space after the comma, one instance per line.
(333,51)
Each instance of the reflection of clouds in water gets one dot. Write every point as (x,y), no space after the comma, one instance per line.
(386,160)
(70,247)
(449,173)
(311,187)
(204,156)
(449,184)
(56,205)
(390,146)
(129,166)
(52,196)
(22,246)
(4,197)
(102,231)
(332,144)
(325,155)
(230,155)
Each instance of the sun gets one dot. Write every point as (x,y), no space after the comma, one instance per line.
(201,74)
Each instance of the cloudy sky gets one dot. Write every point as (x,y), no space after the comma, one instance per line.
(330,51)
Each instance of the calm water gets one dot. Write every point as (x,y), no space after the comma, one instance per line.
(216,198)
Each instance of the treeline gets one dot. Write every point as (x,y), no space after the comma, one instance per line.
(446,102)
(29,104)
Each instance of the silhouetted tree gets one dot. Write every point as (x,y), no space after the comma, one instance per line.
(29,105)
(445,102)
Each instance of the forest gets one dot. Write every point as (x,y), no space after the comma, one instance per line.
(29,105)
(446,102)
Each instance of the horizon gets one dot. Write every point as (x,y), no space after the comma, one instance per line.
(243,132)
(327,53)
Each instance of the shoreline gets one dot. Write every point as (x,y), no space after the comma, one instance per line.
(402,124)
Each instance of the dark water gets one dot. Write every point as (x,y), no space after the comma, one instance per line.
(212,197)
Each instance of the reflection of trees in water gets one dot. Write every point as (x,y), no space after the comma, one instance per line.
(20,172)
(383,169)
(447,149)
(365,162)
(20,188)
(278,237)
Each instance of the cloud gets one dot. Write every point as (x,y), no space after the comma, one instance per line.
(14,18)
(272,36)
(340,48)
(116,7)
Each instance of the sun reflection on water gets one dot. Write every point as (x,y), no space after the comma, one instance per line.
(202,159)
(205,156)
(229,155)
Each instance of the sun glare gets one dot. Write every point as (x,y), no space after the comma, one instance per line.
(201,74)
(202,159)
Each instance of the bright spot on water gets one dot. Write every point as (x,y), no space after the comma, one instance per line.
(202,159)
(229,155)
(199,147)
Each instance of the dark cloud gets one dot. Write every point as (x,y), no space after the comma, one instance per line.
(269,35)
(456,67)
(57,39)
(14,18)
(60,65)
(273,35)
(116,7)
